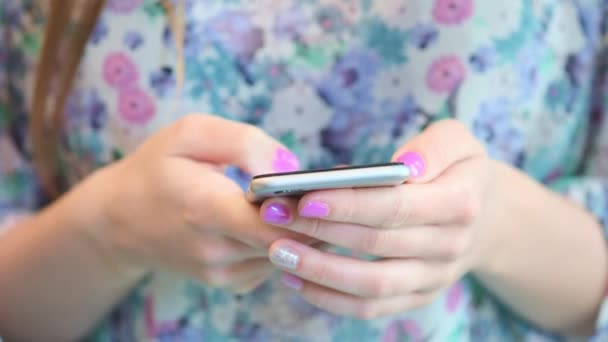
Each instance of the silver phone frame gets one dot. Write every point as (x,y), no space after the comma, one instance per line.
(301,182)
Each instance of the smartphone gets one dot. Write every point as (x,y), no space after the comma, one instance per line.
(300,182)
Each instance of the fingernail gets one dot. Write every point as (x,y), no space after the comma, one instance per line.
(415,162)
(276,213)
(314,209)
(292,281)
(285,258)
(285,161)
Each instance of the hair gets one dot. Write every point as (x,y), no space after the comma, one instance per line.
(68,27)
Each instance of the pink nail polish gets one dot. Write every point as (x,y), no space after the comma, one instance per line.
(415,162)
(292,281)
(277,213)
(314,209)
(285,161)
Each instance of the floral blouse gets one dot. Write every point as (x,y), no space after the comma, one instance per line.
(337,81)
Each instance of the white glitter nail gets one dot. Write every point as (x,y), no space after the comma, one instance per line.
(285,258)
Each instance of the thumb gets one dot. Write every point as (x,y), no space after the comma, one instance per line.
(215,140)
(437,148)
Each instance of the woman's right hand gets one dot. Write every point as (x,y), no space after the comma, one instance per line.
(169,205)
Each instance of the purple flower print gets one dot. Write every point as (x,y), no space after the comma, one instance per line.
(290,24)
(493,126)
(85,107)
(402,114)
(344,132)
(590,19)
(98,113)
(162,81)
(234,31)
(238,176)
(194,33)
(483,59)
(18,132)
(100,32)
(579,66)
(121,323)
(348,86)
(3,55)
(423,36)
(403,330)
(133,39)
(16,59)
(123,6)
(482,329)
(12,14)
(178,330)
(244,329)
(527,69)
(454,297)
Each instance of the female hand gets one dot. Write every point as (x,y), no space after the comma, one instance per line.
(428,232)
(169,206)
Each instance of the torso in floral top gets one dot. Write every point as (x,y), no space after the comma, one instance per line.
(337,81)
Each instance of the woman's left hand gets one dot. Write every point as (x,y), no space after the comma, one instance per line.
(427,233)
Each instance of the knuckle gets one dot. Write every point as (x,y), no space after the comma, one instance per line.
(322,274)
(314,227)
(372,242)
(189,124)
(192,214)
(452,125)
(211,254)
(468,208)
(479,149)
(379,288)
(365,310)
(470,211)
(399,214)
(457,128)
(216,277)
(251,135)
(455,248)
(348,208)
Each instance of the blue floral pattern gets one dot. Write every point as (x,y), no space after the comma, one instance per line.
(337,82)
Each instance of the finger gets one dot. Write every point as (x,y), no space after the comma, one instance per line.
(345,304)
(215,203)
(437,148)
(233,275)
(216,140)
(435,243)
(369,279)
(217,251)
(240,220)
(391,207)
